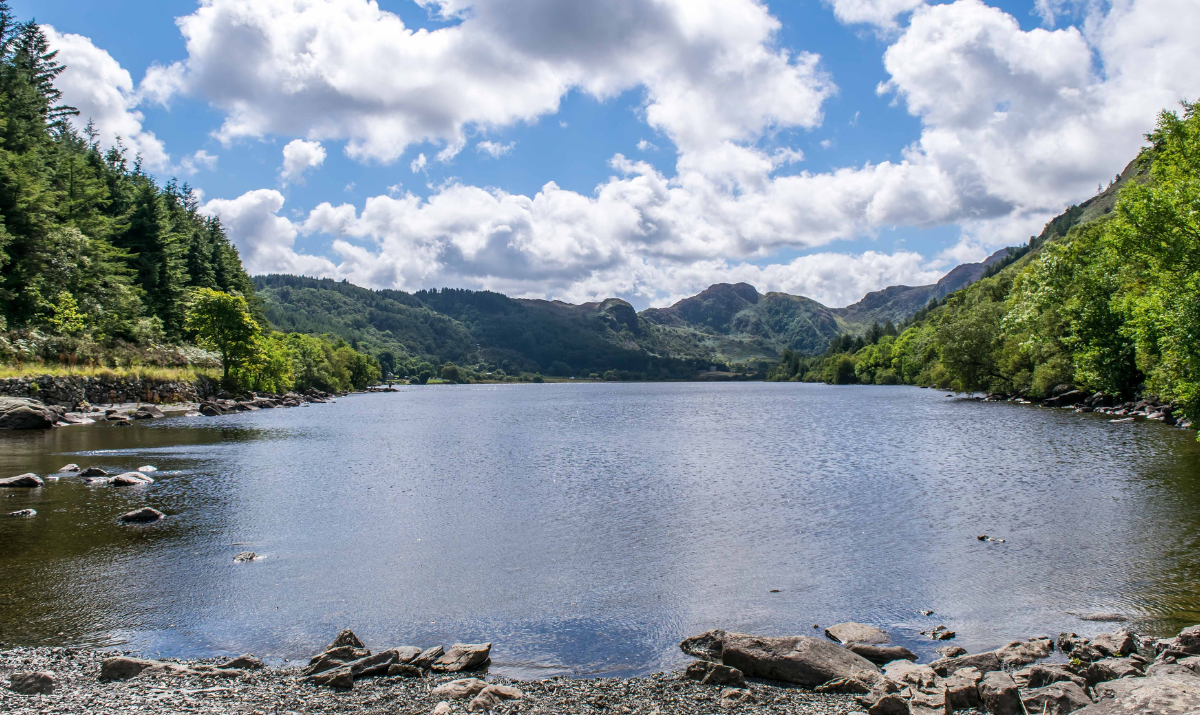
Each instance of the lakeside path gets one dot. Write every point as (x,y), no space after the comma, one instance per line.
(274,691)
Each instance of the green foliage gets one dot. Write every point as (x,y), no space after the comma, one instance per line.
(1103,301)
(222,322)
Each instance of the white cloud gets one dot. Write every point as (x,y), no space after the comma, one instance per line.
(326,68)
(264,239)
(646,145)
(95,84)
(881,13)
(494,149)
(298,157)
(418,165)
(200,160)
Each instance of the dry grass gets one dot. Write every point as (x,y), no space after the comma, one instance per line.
(151,372)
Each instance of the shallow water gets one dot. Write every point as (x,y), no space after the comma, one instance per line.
(587,528)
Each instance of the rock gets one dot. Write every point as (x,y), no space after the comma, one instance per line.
(1110,669)
(1170,669)
(1163,695)
(1056,699)
(407,654)
(852,686)
(22,413)
(710,673)
(950,651)
(803,660)
(29,480)
(146,469)
(336,678)
(145,515)
(39,683)
(243,662)
(706,646)
(442,708)
(245,556)
(732,697)
(999,694)
(493,695)
(1039,676)
(23,513)
(458,689)
(148,411)
(904,672)
(123,668)
(209,409)
(345,653)
(462,656)
(1115,644)
(130,479)
(962,689)
(371,665)
(890,704)
(1086,652)
(345,638)
(427,657)
(69,468)
(404,670)
(93,472)
(880,655)
(1019,653)
(851,632)
(983,662)
(929,701)
(1105,617)
(1068,641)
(322,663)
(1188,640)
(941,633)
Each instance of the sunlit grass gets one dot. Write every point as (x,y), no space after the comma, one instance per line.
(142,371)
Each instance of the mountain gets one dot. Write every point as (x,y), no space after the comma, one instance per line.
(725,324)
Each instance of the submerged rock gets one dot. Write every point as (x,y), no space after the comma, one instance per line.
(93,472)
(245,556)
(130,479)
(145,515)
(881,655)
(69,468)
(23,513)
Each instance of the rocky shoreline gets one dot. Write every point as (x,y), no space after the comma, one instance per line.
(849,672)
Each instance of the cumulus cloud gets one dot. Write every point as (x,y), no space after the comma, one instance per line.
(1015,125)
(265,240)
(298,157)
(494,149)
(103,92)
(325,68)
(881,13)
(198,161)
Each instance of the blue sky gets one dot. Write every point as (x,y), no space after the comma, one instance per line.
(987,96)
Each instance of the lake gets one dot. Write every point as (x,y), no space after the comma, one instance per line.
(586,529)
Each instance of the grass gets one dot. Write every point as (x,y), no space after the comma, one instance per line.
(150,372)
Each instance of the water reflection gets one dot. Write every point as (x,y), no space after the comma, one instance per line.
(587,528)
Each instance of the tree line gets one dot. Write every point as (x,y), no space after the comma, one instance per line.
(1110,305)
(101,264)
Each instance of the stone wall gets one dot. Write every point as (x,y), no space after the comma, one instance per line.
(68,392)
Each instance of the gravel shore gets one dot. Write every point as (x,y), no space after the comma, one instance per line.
(280,692)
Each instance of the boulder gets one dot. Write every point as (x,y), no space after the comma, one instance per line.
(803,660)
(145,515)
(23,513)
(372,665)
(458,689)
(1188,640)
(962,689)
(442,708)
(322,663)
(1171,669)
(851,632)
(904,672)
(23,413)
(1039,676)
(243,662)
(462,656)
(880,655)
(1162,695)
(1068,641)
(345,653)
(148,411)
(335,678)
(710,673)
(983,662)
(407,654)
(209,409)
(928,701)
(38,683)
(93,472)
(123,668)
(69,468)
(1111,669)
(245,556)
(1115,644)
(491,696)
(1056,699)
(889,704)
(1019,653)
(999,694)
(404,670)
(130,479)
(345,638)
(427,657)
(851,686)
(29,480)
(950,651)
